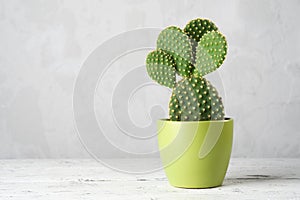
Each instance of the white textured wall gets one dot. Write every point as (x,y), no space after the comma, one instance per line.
(43,44)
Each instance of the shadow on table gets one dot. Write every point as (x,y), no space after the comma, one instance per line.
(254,178)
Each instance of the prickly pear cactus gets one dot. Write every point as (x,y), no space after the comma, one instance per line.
(195,29)
(192,53)
(161,68)
(195,99)
(175,42)
(210,53)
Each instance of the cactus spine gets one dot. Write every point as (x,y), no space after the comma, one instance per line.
(191,53)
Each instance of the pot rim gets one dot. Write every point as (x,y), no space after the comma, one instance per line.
(227,119)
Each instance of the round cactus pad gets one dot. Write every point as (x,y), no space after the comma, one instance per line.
(161,68)
(174,41)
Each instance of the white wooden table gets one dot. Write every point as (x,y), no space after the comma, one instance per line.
(87,179)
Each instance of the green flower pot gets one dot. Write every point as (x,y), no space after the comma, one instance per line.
(195,154)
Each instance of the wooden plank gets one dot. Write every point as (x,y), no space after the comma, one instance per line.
(88,179)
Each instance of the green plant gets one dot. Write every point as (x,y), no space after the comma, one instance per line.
(192,53)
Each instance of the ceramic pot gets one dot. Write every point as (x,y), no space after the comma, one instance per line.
(195,154)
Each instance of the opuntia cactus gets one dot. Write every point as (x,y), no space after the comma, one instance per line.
(191,53)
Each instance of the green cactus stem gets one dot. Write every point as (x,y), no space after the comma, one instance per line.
(195,99)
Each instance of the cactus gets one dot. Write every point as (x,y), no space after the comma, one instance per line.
(191,53)
(161,68)
(195,99)
(210,53)
(175,42)
(195,29)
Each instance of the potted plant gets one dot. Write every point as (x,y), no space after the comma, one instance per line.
(195,142)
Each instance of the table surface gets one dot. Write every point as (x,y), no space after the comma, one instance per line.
(88,179)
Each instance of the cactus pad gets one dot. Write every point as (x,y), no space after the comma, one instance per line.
(174,108)
(174,41)
(196,28)
(210,53)
(195,99)
(161,68)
